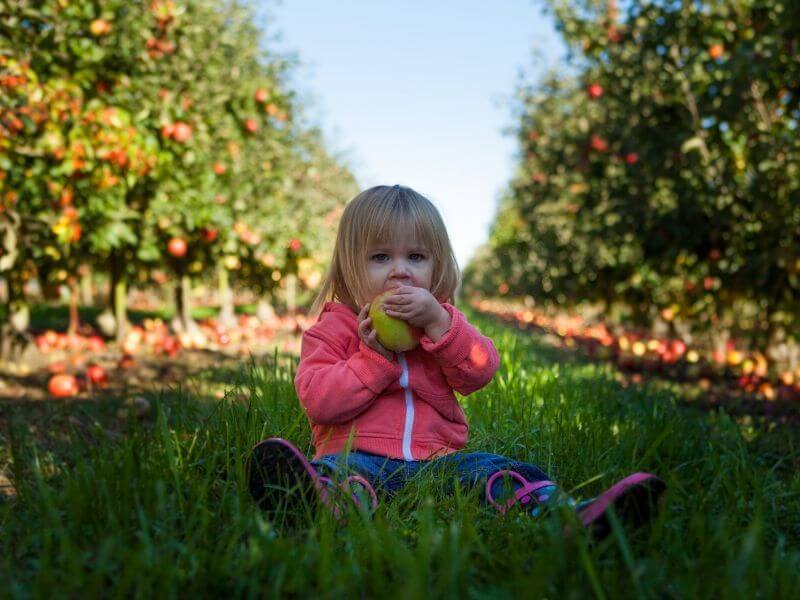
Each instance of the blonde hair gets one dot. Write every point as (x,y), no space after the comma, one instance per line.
(386,214)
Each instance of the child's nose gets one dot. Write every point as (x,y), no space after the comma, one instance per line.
(400,268)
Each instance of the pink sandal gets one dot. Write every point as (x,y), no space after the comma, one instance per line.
(523,495)
(279,475)
(347,488)
(635,499)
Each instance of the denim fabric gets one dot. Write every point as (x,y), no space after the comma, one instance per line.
(390,475)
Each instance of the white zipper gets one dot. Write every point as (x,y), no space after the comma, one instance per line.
(404,383)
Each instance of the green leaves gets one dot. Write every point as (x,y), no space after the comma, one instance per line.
(114,122)
(677,136)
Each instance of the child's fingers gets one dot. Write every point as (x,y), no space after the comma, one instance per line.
(376,345)
(396,300)
(404,290)
(363,326)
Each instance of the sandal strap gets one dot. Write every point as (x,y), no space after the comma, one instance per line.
(334,494)
(523,495)
(327,491)
(365,485)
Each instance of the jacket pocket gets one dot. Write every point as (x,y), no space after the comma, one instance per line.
(444,404)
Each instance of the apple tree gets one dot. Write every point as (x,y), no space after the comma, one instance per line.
(659,176)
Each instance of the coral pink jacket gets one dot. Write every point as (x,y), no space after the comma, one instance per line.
(401,409)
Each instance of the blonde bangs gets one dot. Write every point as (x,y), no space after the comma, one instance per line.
(387,215)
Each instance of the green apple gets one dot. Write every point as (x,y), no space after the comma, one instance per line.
(393,333)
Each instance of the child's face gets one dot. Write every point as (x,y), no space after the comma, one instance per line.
(390,266)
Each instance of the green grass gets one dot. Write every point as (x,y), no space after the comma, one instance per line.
(164,511)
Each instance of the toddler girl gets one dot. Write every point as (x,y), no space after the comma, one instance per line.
(379,417)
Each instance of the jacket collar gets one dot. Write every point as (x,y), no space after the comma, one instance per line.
(337,307)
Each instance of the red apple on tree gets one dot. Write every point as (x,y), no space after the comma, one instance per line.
(595,90)
(177,247)
(251,125)
(166,46)
(99,27)
(598,143)
(182,132)
(261,95)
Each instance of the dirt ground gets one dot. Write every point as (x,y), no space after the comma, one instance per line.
(29,414)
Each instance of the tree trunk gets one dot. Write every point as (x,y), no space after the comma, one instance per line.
(291,293)
(264,310)
(183,322)
(719,342)
(120,308)
(177,319)
(168,296)
(87,293)
(14,338)
(118,294)
(74,317)
(227,312)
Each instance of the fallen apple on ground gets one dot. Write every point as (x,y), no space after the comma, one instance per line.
(97,375)
(393,333)
(63,385)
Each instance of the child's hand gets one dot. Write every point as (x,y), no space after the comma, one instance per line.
(369,336)
(417,306)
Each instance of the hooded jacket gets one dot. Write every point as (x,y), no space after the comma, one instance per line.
(404,408)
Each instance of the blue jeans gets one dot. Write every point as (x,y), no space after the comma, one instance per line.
(389,475)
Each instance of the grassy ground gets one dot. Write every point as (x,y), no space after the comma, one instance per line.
(163,508)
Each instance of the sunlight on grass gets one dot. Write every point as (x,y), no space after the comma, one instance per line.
(164,508)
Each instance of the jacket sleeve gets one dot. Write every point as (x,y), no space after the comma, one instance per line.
(468,358)
(333,387)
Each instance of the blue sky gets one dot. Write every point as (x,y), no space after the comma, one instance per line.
(418,93)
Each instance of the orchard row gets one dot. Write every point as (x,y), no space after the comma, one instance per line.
(660,180)
(155,143)
(640,352)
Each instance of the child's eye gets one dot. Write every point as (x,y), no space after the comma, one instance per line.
(421,256)
(374,256)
